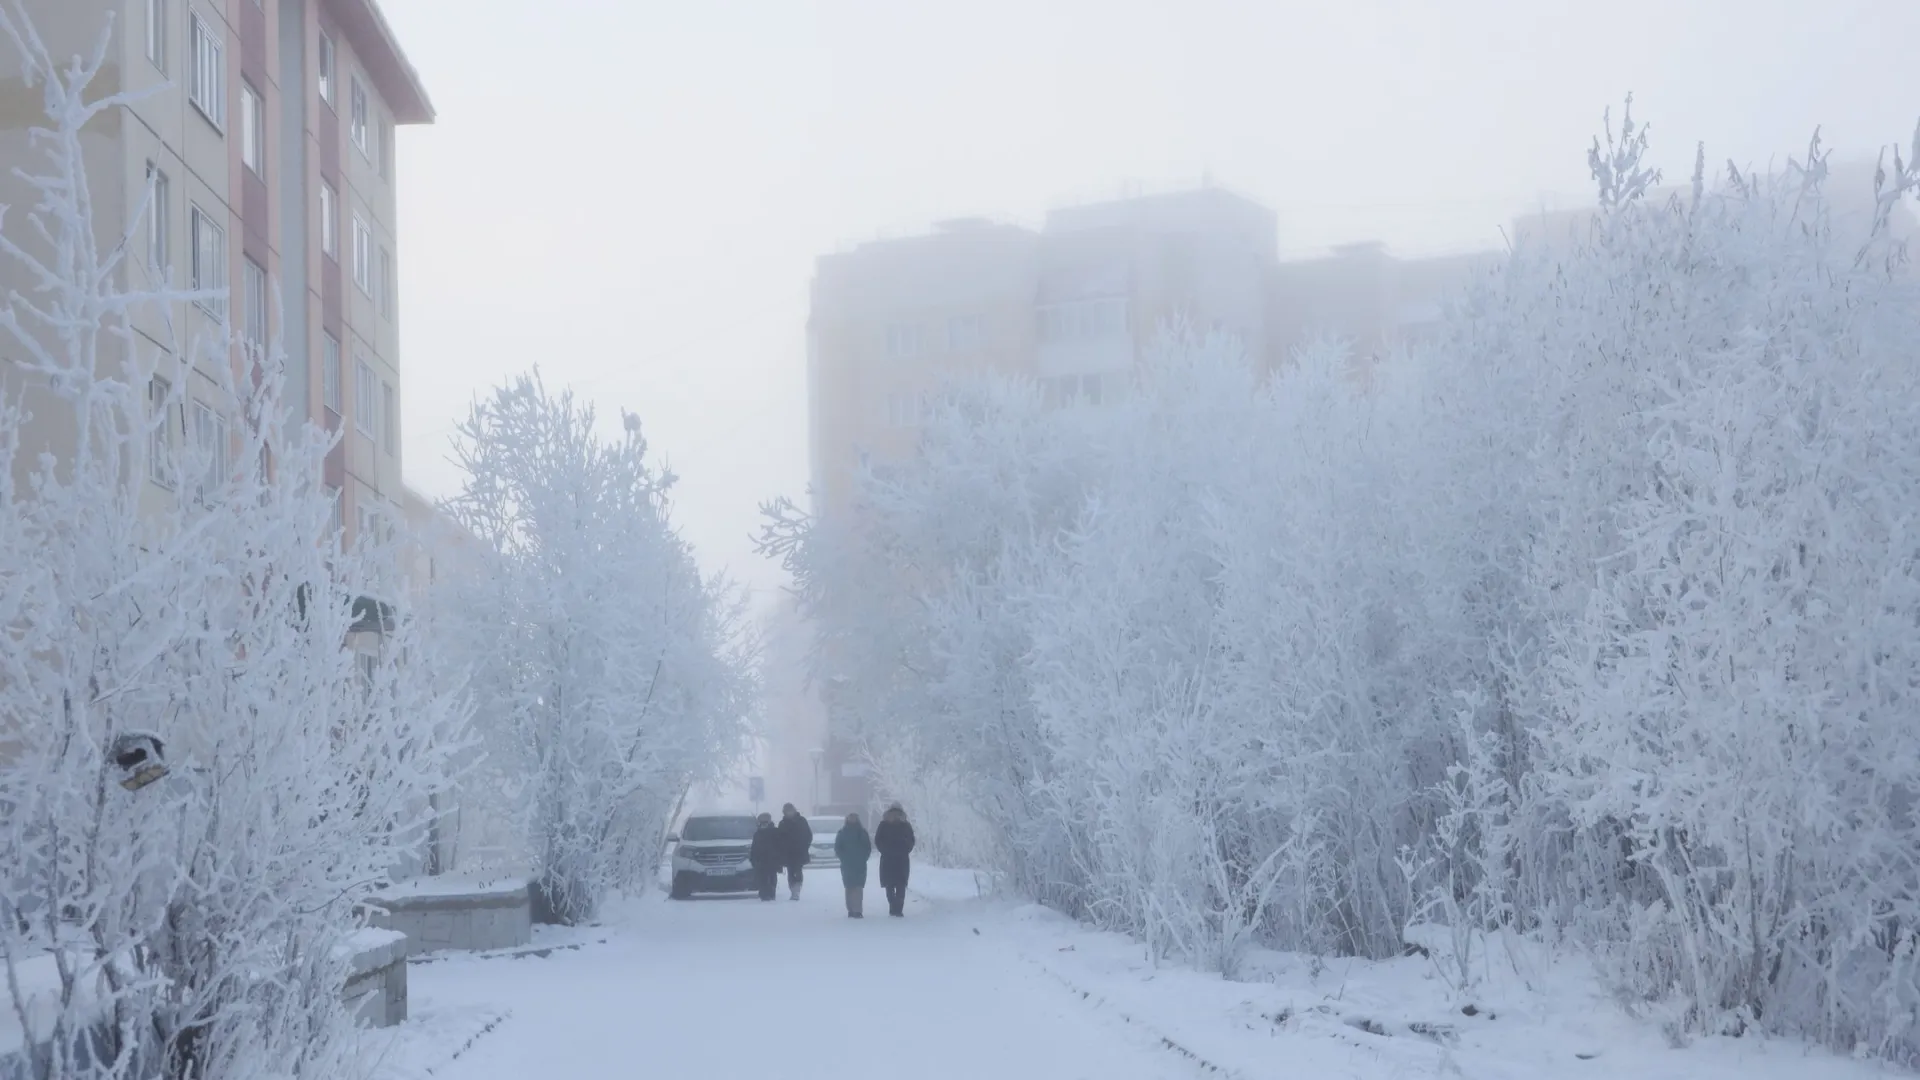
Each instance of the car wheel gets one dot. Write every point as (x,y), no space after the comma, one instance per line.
(682,888)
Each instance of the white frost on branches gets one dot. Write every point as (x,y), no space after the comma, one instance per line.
(1597,618)
(192,927)
(612,676)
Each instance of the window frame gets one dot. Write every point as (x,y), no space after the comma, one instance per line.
(364,401)
(160,445)
(966,333)
(157,34)
(329,221)
(159,221)
(211,440)
(253,130)
(255,332)
(207,90)
(326,69)
(363,255)
(358,108)
(203,223)
(331,395)
(903,341)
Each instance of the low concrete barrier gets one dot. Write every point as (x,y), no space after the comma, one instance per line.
(440,913)
(376,988)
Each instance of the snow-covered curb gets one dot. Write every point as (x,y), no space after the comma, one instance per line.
(1532,1016)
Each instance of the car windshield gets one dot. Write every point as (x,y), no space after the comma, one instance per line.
(827,827)
(718,828)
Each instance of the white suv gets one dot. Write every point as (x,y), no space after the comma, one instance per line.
(710,855)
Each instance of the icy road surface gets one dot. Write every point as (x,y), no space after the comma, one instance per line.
(727,988)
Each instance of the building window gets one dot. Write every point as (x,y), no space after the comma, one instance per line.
(390,420)
(336,512)
(160,431)
(209,90)
(329,221)
(327,70)
(906,410)
(362,255)
(210,443)
(157,34)
(357,121)
(1075,390)
(253,130)
(386,282)
(159,236)
(966,333)
(330,370)
(386,148)
(254,285)
(363,397)
(903,340)
(210,263)
(1083,320)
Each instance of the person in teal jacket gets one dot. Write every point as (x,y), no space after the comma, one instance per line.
(854,847)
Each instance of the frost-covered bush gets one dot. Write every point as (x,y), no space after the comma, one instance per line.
(1598,616)
(186,603)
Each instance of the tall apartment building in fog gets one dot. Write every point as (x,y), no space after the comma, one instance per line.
(265,139)
(1076,304)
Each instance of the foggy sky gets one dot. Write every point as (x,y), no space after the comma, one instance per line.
(630,193)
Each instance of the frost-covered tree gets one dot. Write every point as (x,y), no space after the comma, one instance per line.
(205,764)
(1596,618)
(1732,703)
(612,676)
(916,594)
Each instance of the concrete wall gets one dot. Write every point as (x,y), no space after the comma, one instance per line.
(376,987)
(486,917)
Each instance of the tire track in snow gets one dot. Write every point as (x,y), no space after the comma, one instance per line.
(1099,1003)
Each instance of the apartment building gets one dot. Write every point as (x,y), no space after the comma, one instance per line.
(1077,304)
(258,157)
(1366,297)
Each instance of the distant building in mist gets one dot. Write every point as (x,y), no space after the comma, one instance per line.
(1076,305)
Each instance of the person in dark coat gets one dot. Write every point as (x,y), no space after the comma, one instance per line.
(796,838)
(893,839)
(765,856)
(854,848)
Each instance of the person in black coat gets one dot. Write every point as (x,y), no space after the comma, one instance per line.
(796,841)
(765,856)
(893,839)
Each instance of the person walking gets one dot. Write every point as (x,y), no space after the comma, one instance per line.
(765,856)
(893,838)
(796,837)
(854,848)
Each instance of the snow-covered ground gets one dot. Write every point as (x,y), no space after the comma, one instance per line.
(977,987)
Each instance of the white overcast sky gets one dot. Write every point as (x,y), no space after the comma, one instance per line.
(630,193)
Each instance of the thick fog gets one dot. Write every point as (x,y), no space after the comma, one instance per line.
(638,191)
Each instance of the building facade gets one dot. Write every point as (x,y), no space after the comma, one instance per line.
(257,158)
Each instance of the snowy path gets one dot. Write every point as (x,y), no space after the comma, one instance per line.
(785,991)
